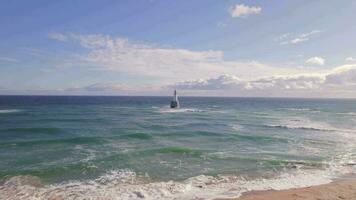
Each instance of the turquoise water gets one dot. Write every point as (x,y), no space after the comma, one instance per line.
(63,139)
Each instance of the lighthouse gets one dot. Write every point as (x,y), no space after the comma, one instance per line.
(175,101)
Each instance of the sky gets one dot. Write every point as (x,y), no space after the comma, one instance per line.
(294,48)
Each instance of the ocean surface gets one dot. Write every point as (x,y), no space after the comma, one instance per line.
(81,147)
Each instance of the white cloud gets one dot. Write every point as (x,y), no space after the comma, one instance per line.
(241,10)
(33,51)
(298,82)
(221,82)
(337,78)
(289,38)
(167,64)
(109,86)
(343,75)
(315,61)
(8,59)
(298,40)
(305,35)
(193,70)
(57,36)
(350,59)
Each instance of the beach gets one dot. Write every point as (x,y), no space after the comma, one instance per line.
(339,190)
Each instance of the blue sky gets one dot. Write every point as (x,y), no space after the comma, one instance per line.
(210,47)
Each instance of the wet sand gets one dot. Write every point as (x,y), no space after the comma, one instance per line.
(339,190)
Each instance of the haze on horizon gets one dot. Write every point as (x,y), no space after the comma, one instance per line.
(296,48)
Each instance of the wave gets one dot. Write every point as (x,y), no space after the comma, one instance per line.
(186,134)
(167,109)
(287,164)
(261,113)
(180,110)
(169,150)
(318,111)
(142,136)
(298,109)
(10,111)
(299,127)
(214,107)
(126,184)
(303,124)
(259,138)
(77,140)
(347,136)
(237,127)
(33,130)
(303,110)
(347,113)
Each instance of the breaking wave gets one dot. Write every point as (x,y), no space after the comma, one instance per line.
(76,140)
(347,113)
(48,130)
(302,110)
(300,127)
(180,110)
(298,109)
(172,150)
(9,111)
(304,124)
(126,184)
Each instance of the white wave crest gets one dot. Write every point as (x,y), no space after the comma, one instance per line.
(307,124)
(180,110)
(298,109)
(303,123)
(9,111)
(124,184)
(237,127)
(310,110)
(347,113)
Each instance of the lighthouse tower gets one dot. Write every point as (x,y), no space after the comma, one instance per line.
(175,101)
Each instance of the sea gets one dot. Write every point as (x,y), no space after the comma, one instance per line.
(123,147)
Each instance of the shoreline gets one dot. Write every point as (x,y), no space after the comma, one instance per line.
(31,187)
(339,189)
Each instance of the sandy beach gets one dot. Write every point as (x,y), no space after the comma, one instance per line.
(343,190)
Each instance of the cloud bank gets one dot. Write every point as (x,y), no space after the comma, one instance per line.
(340,77)
(338,81)
(110,86)
(165,64)
(197,71)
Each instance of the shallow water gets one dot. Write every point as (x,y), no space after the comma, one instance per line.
(227,142)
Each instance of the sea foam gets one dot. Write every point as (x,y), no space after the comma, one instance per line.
(9,111)
(303,123)
(122,185)
(180,110)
